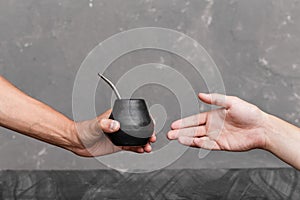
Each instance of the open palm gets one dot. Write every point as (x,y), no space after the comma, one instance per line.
(237,126)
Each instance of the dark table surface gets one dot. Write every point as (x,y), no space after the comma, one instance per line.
(165,184)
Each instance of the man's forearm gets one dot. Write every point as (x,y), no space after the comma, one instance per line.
(28,116)
(283,140)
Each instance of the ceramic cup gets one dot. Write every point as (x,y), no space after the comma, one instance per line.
(136,124)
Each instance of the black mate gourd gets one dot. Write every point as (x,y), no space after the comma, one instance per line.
(136,124)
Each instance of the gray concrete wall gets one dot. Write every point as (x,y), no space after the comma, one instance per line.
(256,45)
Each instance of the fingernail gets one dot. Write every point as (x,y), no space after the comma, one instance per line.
(114,125)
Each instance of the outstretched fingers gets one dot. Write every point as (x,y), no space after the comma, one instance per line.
(200,119)
(190,121)
(216,99)
(198,131)
(202,142)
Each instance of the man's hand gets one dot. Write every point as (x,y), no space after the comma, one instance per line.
(28,116)
(237,126)
(91,140)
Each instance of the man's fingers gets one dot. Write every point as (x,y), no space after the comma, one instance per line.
(109,126)
(153,138)
(194,120)
(215,99)
(147,148)
(134,149)
(187,132)
(203,142)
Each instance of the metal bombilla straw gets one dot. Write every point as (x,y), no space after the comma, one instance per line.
(113,87)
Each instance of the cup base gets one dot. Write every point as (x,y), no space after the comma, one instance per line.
(122,139)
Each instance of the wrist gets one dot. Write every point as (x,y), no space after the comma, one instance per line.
(84,135)
(271,131)
(75,143)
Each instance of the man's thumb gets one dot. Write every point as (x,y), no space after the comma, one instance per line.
(109,126)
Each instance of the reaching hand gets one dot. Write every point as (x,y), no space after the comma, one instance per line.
(238,126)
(93,141)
